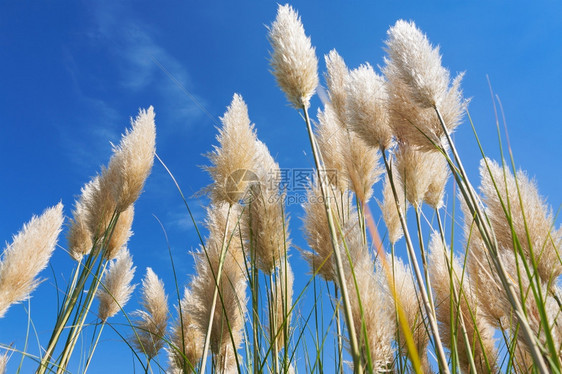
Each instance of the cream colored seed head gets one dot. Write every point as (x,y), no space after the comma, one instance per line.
(417,83)
(350,163)
(417,172)
(317,233)
(336,80)
(186,337)
(79,236)
(153,318)
(441,270)
(293,58)
(27,255)
(116,287)
(98,200)
(233,161)
(265,224)
(486,283)
(363,168)
(436,189)
(331,138)
(132,160)
(389,208)
(121,233)
(418,63)
(366,106)
(529,216)
(371,307)
(231,305)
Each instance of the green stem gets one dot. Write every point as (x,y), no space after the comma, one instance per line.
(354,345)
(215,292)
(68,308)
(339,332)
(93,349)
(77,329)
(428,309)
(491,243)
(273,325)
(456,300)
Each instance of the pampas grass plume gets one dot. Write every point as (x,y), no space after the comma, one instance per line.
(186,338)
(336,79)
(366,107)
(363,168)
(317,233)
(265,223)
(27,255)
(436,189)
(417,172)
(371,307)
(231,305)
(418,63)
(516,199)
(480,333)
(116,287)
(293,58)
(132,159)
(153,318)
(349,161)
(79,235)
(389,208)
(119,185)
(99,202)
(417,84)
(234,156)
(121,233)
(331,140)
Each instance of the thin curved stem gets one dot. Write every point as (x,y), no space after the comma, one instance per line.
(355,352)
(215,292)
(419,278)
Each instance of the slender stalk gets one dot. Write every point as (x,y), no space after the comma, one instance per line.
(77,329)
(425,299)
(402,319)
(68,308)
(91,354)
(286,303)
(215,292)
(456,299)
(273,328)
(492,246)
(255,312)
(355,352)
(424,260)
(339,333)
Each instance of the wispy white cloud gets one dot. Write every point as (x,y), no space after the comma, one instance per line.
(137,65)
(143,63)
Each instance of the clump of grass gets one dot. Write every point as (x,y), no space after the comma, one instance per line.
(240,306)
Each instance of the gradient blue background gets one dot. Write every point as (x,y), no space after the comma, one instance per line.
(72,73)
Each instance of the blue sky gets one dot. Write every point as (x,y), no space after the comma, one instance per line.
(72,73)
